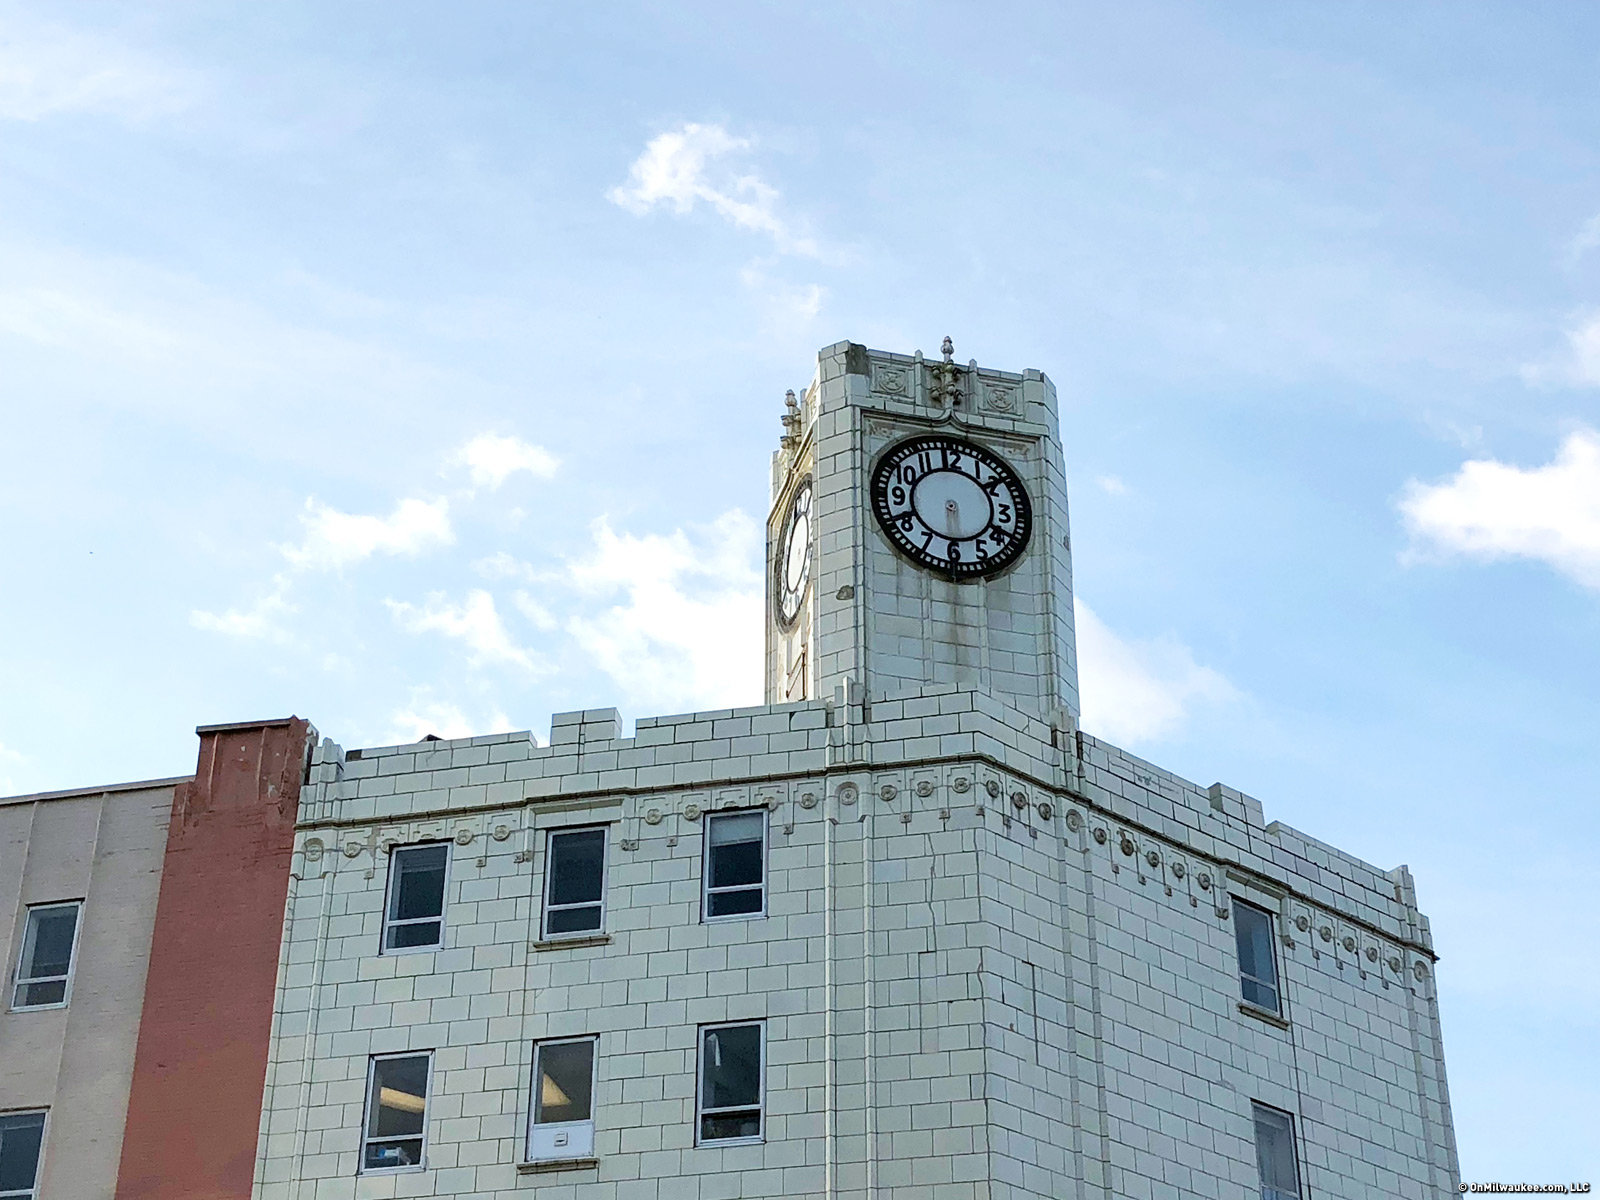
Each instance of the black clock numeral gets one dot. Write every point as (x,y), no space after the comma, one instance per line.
(897,495)
(955,552)
(908,473)
(927,541)
(983,551)
(1005,513)
(905,523)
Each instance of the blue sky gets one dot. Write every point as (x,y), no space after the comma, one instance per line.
(415,367)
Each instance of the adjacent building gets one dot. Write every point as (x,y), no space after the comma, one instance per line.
(905,930)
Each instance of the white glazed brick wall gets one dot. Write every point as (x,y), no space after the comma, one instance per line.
(977,983)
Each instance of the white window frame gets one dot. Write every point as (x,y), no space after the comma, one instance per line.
(366,1117)
(1276,984)
(388,900)
(31,1192)
(1294,1152)
(549,880)
(584,1148)
(705,868)
(18,981)
(701,1112)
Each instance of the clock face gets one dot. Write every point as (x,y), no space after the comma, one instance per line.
(791,566)
(951,506)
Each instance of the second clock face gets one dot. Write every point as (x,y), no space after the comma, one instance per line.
(791,565)
(952,506)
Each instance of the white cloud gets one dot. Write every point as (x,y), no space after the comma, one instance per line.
(335,539)
(492,459)
(1492,510)
(476,622)
(1111,485)
(1579,364)
(1587,239)
(684,167)
(501,565)
(790,309)
(259,622)
(685,632)
(1139,691)
(45,71)
(538,615)
(424,715)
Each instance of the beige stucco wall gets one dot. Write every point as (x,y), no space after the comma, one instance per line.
(103,847)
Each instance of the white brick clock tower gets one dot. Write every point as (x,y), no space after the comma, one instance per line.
(918,535)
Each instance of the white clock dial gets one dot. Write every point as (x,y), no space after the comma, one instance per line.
(791,565)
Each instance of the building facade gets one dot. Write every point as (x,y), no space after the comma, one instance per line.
(904,930)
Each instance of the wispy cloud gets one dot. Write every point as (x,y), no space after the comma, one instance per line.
(491,459)
(1492,510)
(688,165)
(685,629)
(1578,365)
(1111,485)
(1586,239)
(262,621)
(336,539)
(424,714)
(51,70)
(475,623)
(1137,691)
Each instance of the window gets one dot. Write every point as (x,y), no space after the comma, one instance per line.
(732,1078)
(1280,1174)
(574,889)
(563,1100)
(397,1113)
(1258,970)
(46,962)
(21,1135)
(414,916)
(736,854)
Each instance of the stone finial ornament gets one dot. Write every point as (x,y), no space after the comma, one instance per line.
(791,420)
(948,349)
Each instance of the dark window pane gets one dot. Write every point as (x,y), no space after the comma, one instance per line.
(20,1135)
(731,1071)
(406,1153)
(730,1125)
(736,864)
(52,941)
(577,861)
(1275,1154)
(423,933)
(732,904)
(566,1076)
(399,1097)
(53,992)
(1252,930)
(419,883)
(1260,995)
(574,920)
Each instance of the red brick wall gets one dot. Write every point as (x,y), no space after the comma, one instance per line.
(198,1074)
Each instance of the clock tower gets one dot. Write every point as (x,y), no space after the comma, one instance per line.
(918,536)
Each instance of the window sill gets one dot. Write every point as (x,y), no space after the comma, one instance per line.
(1262,1014)
(37,1007)
(543,1165)
(715,1143)
(571,943)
